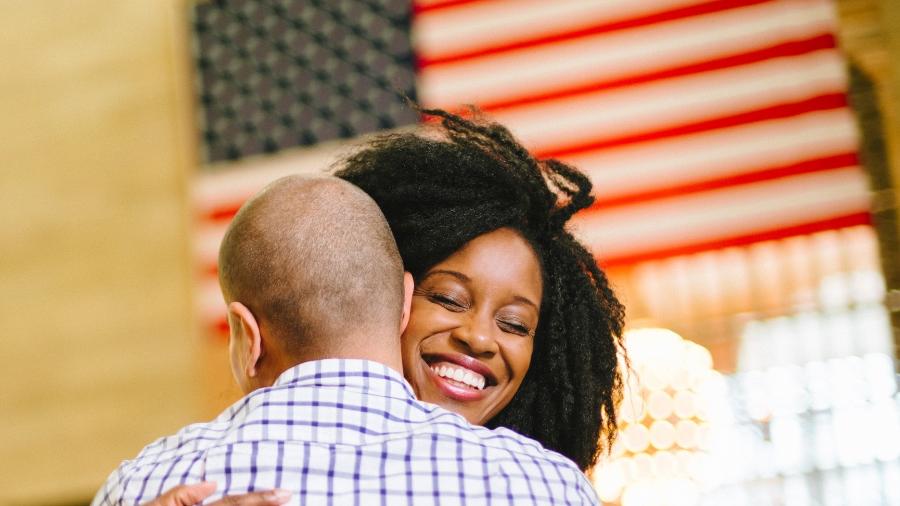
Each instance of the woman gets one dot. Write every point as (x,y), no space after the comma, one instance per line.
(472,188)
(512,323)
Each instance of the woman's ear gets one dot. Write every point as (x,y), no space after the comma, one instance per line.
(245,346)
(408,286)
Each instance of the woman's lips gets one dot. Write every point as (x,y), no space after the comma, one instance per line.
(464,361)
(459,377)
(453,389)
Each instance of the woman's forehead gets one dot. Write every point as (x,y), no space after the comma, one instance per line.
(500,260)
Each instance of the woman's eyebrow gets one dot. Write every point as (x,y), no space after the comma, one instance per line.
(458,275)
(526,300)
(466,279)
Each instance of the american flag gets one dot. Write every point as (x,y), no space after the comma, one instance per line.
(703,124)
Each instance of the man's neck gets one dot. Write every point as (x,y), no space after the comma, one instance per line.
(386,355)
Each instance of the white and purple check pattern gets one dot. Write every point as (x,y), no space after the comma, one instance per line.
(350,432)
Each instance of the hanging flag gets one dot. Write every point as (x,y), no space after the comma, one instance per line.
(703,124)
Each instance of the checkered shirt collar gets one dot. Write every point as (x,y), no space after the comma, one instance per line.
(365,375)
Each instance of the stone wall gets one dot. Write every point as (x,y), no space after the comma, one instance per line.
(869,34)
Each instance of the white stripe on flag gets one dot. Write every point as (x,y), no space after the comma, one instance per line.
(725,213)
(473,26)
(674,102)
(211,305)
(721,153)
(236,181)
(628,53)
(206,243)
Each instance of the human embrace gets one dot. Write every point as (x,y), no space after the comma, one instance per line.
(420,329)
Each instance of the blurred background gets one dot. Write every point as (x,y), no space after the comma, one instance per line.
(745,155)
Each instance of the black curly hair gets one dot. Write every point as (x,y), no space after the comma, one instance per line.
(440,192)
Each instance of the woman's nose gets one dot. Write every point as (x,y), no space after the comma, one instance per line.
(478,337)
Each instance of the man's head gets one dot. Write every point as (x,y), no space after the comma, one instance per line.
(310,270)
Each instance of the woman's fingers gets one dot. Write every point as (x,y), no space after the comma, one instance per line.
(184,495)
(268,498)
(191,495)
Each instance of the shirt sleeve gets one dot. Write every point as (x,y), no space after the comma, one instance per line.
(110,493)
(586,492)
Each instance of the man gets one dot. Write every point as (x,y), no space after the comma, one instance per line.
(317,298)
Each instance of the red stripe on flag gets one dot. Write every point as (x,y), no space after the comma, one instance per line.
(764,174)
(851,220)
(222,213)
(419,7)
(218,330)
(211,270)
(659,17)
(819,103)
(786,49)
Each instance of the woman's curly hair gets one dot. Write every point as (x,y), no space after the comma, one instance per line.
(438,193)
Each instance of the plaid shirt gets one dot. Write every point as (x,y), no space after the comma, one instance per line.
(350,432)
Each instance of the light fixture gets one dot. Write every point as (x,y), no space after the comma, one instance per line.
(670,398)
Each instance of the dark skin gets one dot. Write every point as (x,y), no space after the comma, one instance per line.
(474,313)
(189,495)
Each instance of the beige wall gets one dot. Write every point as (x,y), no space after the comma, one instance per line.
(98,351)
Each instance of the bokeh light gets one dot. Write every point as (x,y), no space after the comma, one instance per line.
(671,395)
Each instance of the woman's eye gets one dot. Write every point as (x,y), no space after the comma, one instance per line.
(448,302)
(514,327)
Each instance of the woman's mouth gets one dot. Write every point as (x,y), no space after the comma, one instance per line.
(459,377)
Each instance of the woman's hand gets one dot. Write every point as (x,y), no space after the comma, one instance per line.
(190,495)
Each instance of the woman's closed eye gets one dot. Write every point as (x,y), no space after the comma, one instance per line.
(514,326)
(448,301)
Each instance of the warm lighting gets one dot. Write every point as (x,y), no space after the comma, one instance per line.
(609,484)
(632,410)
(664,464)
(659,405)
(636,438)
(671,395)
(686,434)
(642,467)
(684,404)
(662,435)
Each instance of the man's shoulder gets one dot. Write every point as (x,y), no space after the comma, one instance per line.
(549,465)
(523,463)
(504,439)
(168,461)
(501,443)
(193,438)
(526,448)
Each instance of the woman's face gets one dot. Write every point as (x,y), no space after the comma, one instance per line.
(471,329)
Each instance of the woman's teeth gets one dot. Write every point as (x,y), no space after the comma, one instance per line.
(459,374)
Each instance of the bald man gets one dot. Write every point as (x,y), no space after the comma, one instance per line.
(317,299)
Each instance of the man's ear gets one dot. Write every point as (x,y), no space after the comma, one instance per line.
(245,329)
(408,287)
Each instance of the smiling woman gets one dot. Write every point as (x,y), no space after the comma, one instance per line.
(512,323)
(470,336)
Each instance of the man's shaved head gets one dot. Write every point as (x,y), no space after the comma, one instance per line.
(315,262)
